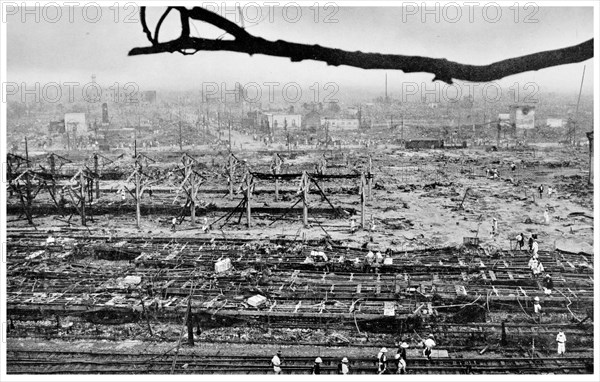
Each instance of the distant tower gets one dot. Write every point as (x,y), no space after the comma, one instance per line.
(386,93)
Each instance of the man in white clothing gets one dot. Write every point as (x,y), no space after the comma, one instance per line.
(561,339)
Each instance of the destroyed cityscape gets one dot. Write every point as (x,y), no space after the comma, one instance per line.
(224,224)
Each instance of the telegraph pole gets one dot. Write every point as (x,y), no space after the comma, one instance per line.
(138,214)
(96,169)
(229,127)
(305,186)
(82,190)
(362,200)
(248,196)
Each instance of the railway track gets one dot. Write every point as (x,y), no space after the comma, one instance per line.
(58,362)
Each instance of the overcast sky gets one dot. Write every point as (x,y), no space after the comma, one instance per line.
(71,51)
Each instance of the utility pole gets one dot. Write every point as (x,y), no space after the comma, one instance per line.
(276,170)
(138,214)
(27,179)
(180,138)
(402,130)
(230,177)
(82,191)
(577,107)
(305,185)
(229,123)
(96,169)
(362,200)
(370,177)
(590,136)
(498,135)
(192,192)
(248,196)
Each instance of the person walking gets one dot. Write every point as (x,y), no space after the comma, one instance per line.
(548,284)
(537,308)
(401,358)
(534,246)
(428,344)
(173,222)
(276,362)
(530,243)
(344,367)
(494,227)
(316,369)
(561,339)
(382,362)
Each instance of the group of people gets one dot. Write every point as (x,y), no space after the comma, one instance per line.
(532,243)
(395,365)
(343,366)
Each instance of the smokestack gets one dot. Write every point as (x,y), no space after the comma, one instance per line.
(105,113)
(386,93)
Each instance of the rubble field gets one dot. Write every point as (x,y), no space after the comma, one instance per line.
(275,260)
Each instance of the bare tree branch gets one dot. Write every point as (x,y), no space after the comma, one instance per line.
(443,69)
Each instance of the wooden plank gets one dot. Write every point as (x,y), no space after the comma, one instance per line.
(505,263)
(436,277)
(397,288)
(492,275)
(297,307)
(482,273)
(570,291)
(460,290)
(332,288)
(378,289)
(510,276)
(495,290)
(571,264)
(464,276)
(522,291)
(358,288)
(351,276)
